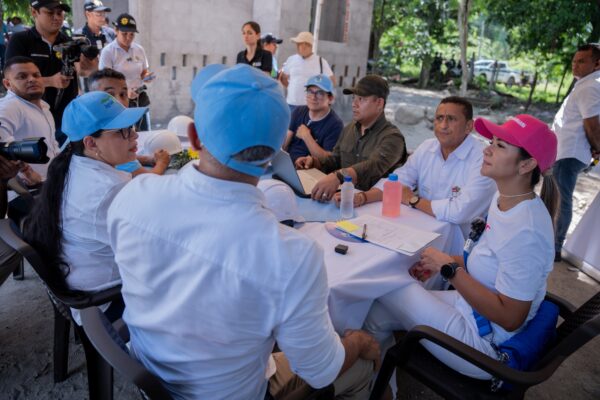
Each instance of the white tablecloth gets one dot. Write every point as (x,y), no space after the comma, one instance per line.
(583,242)
(367,271)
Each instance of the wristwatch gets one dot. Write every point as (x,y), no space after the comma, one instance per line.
(340,176)
(449,270)
(414,201)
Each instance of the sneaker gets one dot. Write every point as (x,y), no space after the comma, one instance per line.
(557,257)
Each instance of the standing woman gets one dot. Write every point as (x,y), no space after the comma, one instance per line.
(504,280)
(254,54)
(130,59)
(67,224)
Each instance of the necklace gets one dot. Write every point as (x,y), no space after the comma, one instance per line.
(510,196)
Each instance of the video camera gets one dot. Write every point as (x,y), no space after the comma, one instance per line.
(71,51)
(31,150)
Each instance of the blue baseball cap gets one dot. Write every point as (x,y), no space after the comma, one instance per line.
(321,81)
(95,111)
(237,108)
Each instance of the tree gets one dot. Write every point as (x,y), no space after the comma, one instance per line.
(463,33)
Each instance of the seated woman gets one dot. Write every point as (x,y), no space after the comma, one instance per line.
(505,276)
(67,224)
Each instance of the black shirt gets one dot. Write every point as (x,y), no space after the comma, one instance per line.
(30,44)
(263,59)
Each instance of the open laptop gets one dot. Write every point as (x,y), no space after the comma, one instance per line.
(301,181)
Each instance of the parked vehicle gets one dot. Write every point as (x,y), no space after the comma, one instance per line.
(505,74)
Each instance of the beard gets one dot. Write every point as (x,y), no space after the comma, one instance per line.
(32,96)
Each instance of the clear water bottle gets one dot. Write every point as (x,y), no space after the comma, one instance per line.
(392,196)
(347,200)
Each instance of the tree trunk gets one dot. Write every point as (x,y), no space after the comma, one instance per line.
(463,32)
(533,85)
(425,68)
(562,80)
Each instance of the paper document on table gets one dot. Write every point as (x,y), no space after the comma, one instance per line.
(394,236)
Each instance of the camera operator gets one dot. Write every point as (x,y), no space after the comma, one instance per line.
(37,43)
(23,113)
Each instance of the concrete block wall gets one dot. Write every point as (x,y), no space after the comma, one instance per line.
(209,31)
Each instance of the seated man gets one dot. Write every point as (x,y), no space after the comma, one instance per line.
(23,113)
(445,171)
(369,147)
(315,127)
(211,279)
(113,82)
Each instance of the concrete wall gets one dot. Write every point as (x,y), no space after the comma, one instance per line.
(209,31)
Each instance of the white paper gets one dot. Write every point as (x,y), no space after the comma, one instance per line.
(391,235)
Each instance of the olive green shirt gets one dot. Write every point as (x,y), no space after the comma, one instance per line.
(373,155)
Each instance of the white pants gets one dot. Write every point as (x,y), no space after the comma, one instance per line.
(413,305)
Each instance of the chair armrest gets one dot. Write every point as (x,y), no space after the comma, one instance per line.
(565,309)
(89,299)
(481,360)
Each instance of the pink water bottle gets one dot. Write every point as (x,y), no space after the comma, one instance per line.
(392,197)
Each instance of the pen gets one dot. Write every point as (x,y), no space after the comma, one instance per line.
(364,234)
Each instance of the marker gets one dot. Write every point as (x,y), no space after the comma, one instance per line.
(364,234)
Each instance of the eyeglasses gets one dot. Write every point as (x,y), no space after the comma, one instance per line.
(126,133)
(319,94)
(99,13)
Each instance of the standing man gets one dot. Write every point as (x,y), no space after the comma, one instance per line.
(95,29)
(37,43)
(315,127)
(23,113)
(224,286)
(577,128)
(301,66)
(269,43)
(369,148)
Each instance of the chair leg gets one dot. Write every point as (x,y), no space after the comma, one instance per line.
(100,373)
(62,326)
(19,272)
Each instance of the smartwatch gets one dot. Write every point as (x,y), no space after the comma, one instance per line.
(414,201)
(449,270)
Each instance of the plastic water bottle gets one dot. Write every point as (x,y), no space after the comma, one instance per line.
(347,200)
(392,197)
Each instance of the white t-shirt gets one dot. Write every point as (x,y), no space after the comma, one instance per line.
(211,280)
(130,63)
(300,70)
(583,102)
(21,119)
(455,187)
(91,187)
(514,257)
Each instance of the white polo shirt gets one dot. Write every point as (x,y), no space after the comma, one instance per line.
(300,70)
(583,102)
(130,63)
(21,119)
(211,280)
(455,187)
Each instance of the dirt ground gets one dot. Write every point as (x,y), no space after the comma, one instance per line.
(26,318)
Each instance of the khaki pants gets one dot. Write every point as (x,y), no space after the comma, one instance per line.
(354,384)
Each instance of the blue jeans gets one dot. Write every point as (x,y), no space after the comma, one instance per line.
(565,172)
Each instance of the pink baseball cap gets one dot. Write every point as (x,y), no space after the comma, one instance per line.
(526,132)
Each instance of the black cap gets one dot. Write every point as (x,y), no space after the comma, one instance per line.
(95,5)
(370,85)
(270,38)
(125,23)
(49,4)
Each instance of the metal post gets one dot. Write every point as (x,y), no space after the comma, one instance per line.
(317,25)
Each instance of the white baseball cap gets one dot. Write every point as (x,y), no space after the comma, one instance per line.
(162,140)
(180,124)
(281,200)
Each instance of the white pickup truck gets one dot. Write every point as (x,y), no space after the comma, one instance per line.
(506,75)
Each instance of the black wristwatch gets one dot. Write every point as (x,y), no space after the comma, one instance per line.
(449,270)
(340,176)
(414,201)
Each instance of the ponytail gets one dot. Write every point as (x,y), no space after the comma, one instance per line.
(550,195)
